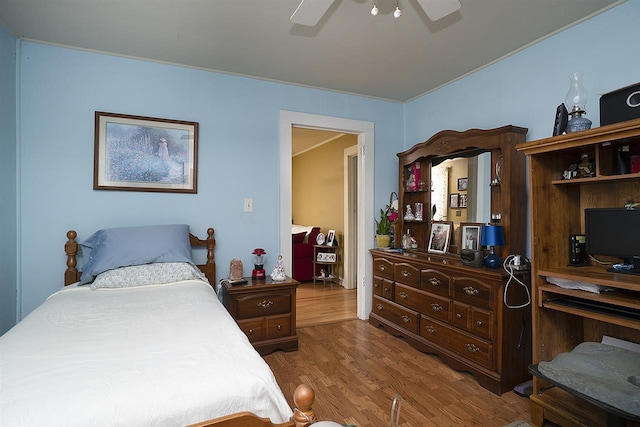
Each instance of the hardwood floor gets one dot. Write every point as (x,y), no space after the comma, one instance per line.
(357,369)
(320,304)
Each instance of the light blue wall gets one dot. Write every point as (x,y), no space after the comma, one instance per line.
(61,88)
(239,141)
(8,181)
(525,89)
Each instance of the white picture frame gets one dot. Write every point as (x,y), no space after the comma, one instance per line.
(326,257)
(439,237)
(330,237)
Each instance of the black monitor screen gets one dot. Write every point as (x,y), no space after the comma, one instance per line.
(613,232)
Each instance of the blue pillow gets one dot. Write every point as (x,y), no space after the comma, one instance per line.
(121,247)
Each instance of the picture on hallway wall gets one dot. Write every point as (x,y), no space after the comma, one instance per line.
(135,153)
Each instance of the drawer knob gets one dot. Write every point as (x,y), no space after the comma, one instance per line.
(458,316)
(472,348)
(405,273)
(479,323)
(404,295)
(265,304)
(433,281)
(431,329)
(436,307)
(406,319)
(470,290)
(376,285)
(381,267)
(250,331)
(279,327)
(380,306)
(387,289)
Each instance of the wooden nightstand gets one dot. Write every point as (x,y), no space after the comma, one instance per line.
(266,312)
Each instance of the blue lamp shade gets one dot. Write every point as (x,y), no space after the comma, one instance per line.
(492,235)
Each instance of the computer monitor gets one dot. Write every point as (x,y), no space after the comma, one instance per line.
(614,232)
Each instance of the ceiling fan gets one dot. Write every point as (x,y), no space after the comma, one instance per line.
(309,12)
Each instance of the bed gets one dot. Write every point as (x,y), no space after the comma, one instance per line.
(144,343)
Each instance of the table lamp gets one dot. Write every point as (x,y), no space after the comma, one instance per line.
(492,236)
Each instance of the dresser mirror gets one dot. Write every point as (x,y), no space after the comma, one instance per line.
(466,203)
(478,187)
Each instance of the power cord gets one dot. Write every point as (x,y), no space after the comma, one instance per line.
(511,263)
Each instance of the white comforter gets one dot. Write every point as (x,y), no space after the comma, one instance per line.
(165,355)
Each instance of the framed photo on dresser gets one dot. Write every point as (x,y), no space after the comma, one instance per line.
(440,237)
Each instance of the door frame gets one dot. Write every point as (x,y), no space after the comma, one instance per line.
(365,133)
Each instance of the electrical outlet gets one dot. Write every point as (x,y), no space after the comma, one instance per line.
(248,205)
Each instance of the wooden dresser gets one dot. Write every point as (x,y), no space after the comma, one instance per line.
(434,301)
(441,306)
(266,312)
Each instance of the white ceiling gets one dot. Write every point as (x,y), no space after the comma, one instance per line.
(348,51)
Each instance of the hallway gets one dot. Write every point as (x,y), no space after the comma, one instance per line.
(322,304)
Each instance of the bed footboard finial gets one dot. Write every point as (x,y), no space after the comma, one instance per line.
(303,415)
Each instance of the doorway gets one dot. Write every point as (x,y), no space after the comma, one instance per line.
(364,232)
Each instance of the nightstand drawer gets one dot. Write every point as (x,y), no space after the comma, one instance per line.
(253,329)
(279,326)
(263,304)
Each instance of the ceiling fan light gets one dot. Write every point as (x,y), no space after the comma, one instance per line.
(397,12)
(374,10)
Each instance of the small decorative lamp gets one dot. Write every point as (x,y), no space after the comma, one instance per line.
(258,264)
(576,101)
(492,236)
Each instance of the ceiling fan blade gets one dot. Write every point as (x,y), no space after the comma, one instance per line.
(436,9)
(309,12)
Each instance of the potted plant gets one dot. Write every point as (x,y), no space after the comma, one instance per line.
(384,226)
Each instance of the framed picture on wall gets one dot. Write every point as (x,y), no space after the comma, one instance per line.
(454,200)
(440,236)
(463,184)
(462,201)
(136,153)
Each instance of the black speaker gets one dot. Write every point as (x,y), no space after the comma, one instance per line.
(620,105)
(577,250)
(471,258)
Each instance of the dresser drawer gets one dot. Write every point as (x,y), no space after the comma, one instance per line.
(476,320)
(262,304)
(401,316)
(482,323)
(383,268)
(406,274)
(383,287)
(473,291)
(278,326)
(435,281)
(253,329)
(421,301)
(469,347)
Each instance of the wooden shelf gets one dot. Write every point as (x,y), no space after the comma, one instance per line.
(563,318)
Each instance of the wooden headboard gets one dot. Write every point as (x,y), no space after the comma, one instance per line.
(72,274)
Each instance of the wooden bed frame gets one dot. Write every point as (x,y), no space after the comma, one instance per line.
(303,397)
(72,274)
